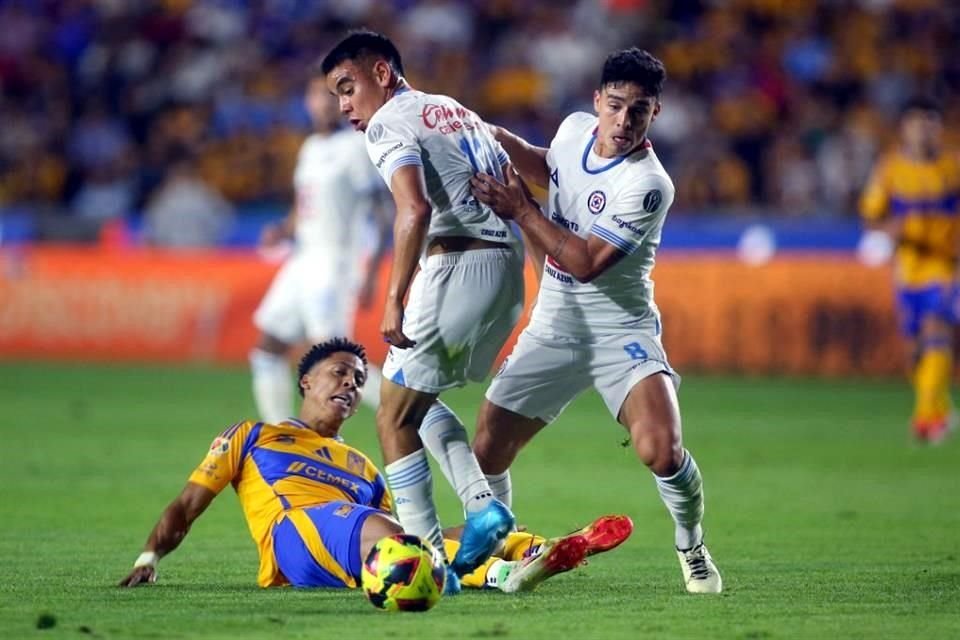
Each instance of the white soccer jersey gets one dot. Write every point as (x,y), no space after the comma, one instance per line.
(333,182)
(623,201)
(451,143)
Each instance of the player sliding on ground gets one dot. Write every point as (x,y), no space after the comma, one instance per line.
(316,506)
(595,322)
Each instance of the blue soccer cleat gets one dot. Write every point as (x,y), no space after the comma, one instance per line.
(451,586)
(482,532)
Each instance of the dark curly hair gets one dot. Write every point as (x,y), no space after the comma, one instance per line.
(637,66)
(360,43)
(324,350)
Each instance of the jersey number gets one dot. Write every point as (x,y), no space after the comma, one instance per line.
(478,150)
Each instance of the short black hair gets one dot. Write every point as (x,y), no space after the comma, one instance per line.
(637,66)
(324,350)
(360,43)
(922,102)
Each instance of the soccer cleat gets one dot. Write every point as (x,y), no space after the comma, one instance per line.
(451,586)
(606,533)
(699,573)
(482,532)
(555,557)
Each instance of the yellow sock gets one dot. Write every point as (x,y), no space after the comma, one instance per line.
(932,384)
(517,543)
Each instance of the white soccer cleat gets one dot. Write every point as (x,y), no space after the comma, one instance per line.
(554,557)
(699,573)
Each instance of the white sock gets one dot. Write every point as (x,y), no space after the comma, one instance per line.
(272,385)
(411,483)
(501,487)
(682,493)
(371,389)
(446,439)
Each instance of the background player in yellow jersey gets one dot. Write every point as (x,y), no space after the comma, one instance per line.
(315,506)
(913,196)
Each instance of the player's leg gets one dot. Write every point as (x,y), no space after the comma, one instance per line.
(651,414)
(280,326)
(456,303)
(934,368)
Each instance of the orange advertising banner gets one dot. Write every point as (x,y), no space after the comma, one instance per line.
(817,314)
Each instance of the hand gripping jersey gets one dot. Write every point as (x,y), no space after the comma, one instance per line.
(275,468)
(451,144)
(624,202)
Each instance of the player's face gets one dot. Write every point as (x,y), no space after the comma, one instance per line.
(334,385)
(921,130)
(362,87)
(321,107)
(625,114)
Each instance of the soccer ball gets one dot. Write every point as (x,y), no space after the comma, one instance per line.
(403,573)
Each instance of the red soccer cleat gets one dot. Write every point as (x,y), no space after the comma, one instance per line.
(606,532)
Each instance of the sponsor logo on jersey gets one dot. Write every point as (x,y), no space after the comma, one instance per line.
(446,119)
(651,201)
(316,473)
(563,222)
(219,446)
(626,224)
(386,153)
(375,133)
(553,270)
(596,202)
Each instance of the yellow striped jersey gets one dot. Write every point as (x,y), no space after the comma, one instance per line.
(926,195)
(277,467)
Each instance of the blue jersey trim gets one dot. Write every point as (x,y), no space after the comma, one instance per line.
(608,236)
(606,167)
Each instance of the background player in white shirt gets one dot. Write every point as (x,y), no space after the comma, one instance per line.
(316,293)
(595,322)
(462,304)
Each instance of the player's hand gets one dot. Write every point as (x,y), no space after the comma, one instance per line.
(392,326)
(140,575)
(509,201)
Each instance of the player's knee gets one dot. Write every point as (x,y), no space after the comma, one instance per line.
(494,445)
(374,529)
(658,449)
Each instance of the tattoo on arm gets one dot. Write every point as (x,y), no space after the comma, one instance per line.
(559,248)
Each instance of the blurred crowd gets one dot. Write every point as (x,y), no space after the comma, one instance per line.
(184,114)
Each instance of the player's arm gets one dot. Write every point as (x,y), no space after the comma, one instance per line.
(530,160)
(409,234)
(875,204)
(218,468)
(169,532)
(584,259)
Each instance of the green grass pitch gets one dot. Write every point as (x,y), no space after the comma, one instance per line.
(824,519)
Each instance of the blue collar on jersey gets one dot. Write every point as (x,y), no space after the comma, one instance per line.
(612,163)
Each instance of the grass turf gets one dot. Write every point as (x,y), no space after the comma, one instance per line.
(823,518)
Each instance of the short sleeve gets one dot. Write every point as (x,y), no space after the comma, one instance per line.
(222,462)
(874,201)
(626,221)
(392,144)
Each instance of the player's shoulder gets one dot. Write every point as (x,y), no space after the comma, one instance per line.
(401,108)
(644,172)
(575,125)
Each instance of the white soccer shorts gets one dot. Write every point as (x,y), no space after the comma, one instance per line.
(309,299)
(543,374)
(462,308)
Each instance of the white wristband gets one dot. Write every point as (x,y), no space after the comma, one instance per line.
(146,559)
